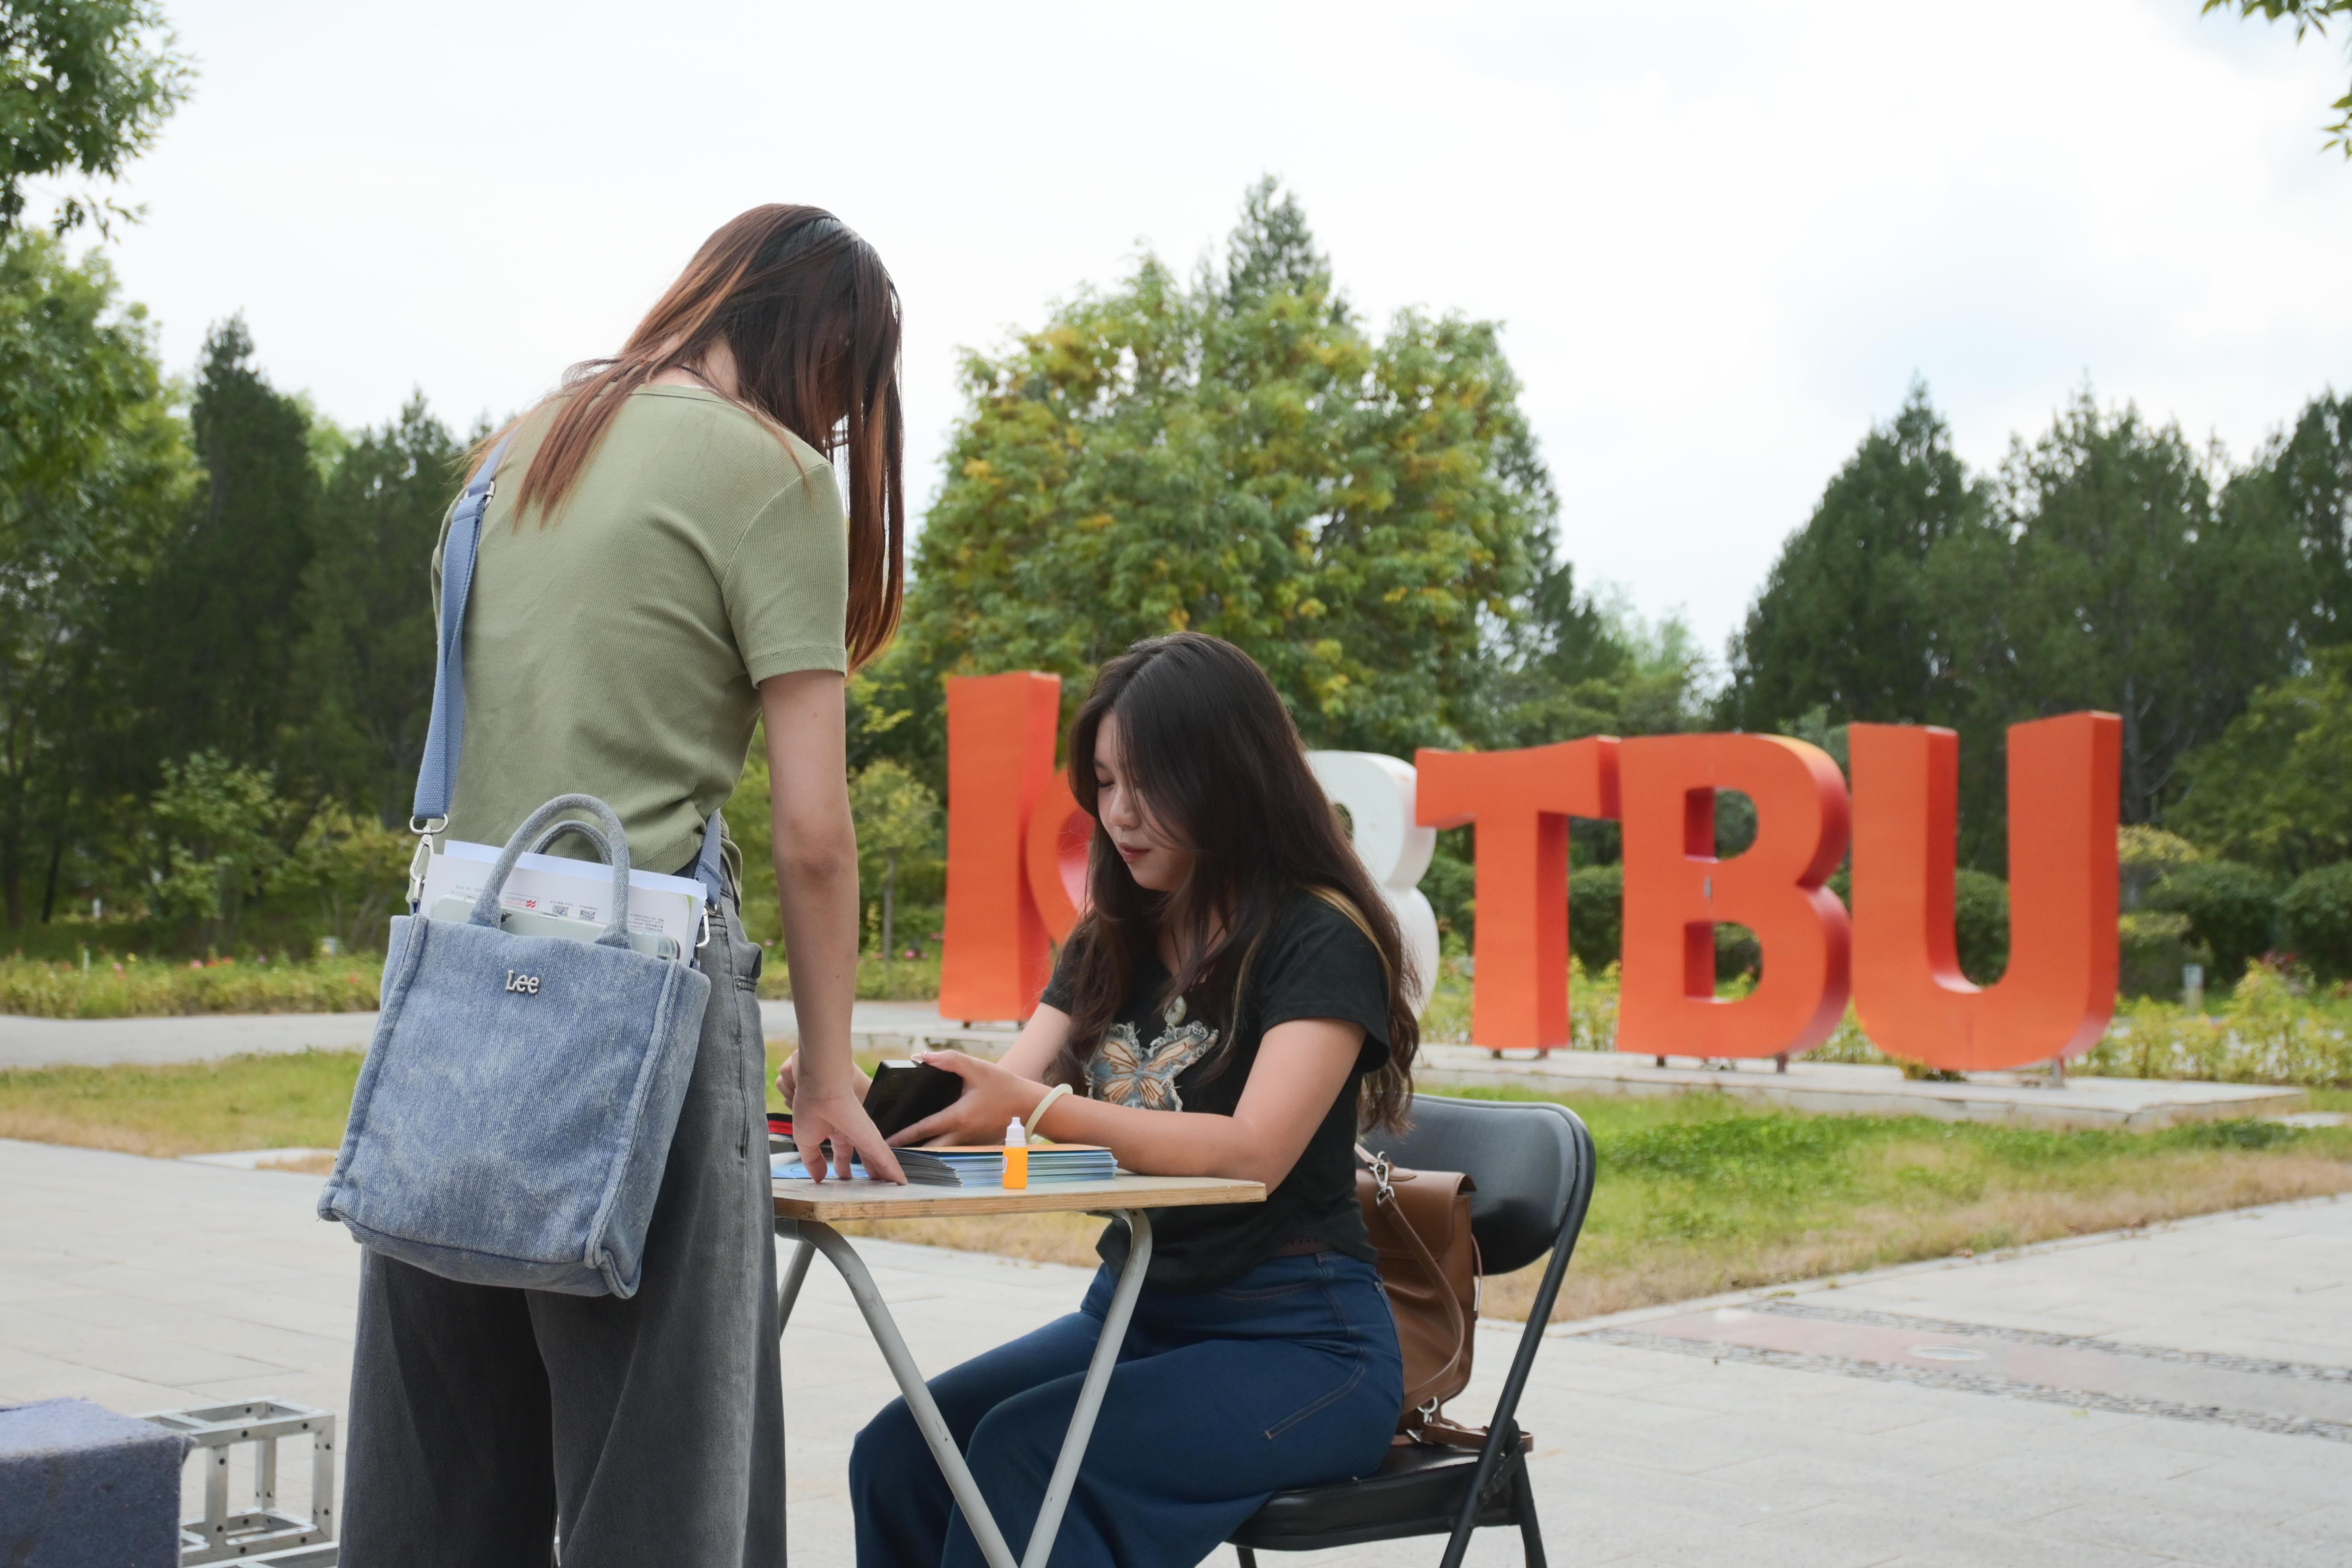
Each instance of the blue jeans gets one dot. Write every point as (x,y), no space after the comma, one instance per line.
(1289,1377)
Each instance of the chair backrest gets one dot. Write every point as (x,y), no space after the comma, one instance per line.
(1531,1160)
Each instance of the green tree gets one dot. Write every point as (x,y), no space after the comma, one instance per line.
(351,867)
(218,828)
(364,665)
(92,463)
(2299,484)
(85,85)
(1568,665)
(2309,16)
(2316,919)
(1596,915)
(898,819)
(1240,458)
(2271,790)
(220,618)
(1854,623)
(2231,908)
(2114,581)
(898,709)
(1980,924)
(1847,619)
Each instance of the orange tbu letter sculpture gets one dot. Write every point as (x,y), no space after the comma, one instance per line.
(2064,784)
(1521,802)
(993,960)
(1677,892)
(1053,853)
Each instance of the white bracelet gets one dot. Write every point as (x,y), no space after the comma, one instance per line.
(1045,1105)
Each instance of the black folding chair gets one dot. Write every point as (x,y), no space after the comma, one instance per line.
(1533,1164)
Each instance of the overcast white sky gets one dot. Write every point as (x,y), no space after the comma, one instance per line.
(1723,237)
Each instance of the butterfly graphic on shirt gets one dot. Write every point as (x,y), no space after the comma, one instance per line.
(1126,1072)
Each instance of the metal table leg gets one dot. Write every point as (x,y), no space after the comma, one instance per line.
(837,1248)
(795,1273)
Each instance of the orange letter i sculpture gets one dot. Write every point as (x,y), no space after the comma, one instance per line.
(2064,784)
(1521,802)
(1000,762)
(1677,891)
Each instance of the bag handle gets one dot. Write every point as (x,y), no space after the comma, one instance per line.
(570,825)
(617,931)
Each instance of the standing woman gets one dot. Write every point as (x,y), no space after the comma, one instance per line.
(1231,1004)
(666,564)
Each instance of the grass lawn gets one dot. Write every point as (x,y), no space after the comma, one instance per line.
(1697,1194)
(185,1108)
(1701,1194)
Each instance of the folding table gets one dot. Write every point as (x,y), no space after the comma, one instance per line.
(803,1210)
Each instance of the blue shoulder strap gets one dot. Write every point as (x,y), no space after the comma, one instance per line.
(436,775)
(710,866)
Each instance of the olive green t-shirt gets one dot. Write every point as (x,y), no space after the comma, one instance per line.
(616,648)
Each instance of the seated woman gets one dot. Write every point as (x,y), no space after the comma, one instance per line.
(1229,1007)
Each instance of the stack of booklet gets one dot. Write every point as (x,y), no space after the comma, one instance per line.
(1049,1164)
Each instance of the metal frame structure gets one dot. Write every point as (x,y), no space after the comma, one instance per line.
(814,1237)
(220,1536)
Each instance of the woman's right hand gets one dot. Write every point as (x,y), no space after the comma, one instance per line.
(839,1113)
(788,1079)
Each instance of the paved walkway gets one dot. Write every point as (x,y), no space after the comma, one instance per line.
(2180,1397)
(105,1042)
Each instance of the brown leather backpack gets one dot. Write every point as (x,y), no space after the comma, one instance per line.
(1420,1222)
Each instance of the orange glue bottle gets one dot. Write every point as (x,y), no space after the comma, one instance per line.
(1016,1155)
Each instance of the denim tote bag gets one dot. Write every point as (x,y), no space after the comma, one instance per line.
(513,1118)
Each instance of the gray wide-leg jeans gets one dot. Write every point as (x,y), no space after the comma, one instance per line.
(486,1424)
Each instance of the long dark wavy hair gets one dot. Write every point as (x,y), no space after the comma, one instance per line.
(1218,768)
(810,313)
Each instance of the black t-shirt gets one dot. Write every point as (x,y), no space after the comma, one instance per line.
(1314,962)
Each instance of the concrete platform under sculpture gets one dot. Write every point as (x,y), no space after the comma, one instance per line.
(2112,1102)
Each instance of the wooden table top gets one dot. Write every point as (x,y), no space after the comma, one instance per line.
(836,1199)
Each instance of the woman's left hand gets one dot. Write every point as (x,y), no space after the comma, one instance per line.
(992,1097)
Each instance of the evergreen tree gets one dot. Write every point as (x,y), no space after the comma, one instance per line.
(1568,666)
(2300,482)
(1846,621)
(2115,582)
(219,621)
(364,663)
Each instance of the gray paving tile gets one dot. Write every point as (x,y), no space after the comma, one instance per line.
(1642,1457)
(2180,1533)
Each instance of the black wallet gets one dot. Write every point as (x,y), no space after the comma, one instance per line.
(903,1093)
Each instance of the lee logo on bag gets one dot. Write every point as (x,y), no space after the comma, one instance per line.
(526,983)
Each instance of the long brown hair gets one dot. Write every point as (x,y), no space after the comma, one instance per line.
(1213,757)
(811,316)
